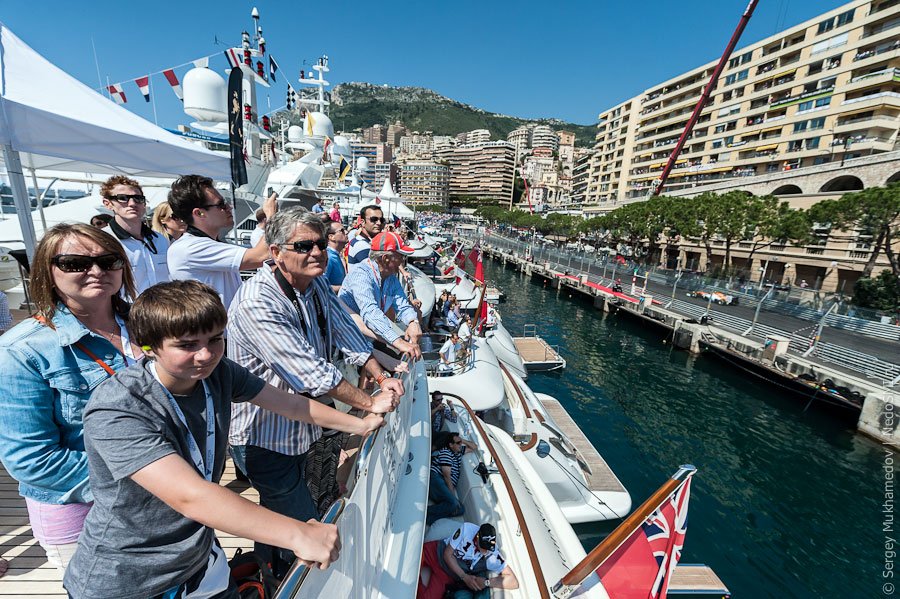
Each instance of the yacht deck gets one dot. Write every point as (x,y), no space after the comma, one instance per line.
(537,354)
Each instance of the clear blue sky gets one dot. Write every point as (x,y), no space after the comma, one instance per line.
(562,59)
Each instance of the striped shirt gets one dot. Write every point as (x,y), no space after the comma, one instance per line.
(366,294)
(360,246)
(446,457)
(266,335)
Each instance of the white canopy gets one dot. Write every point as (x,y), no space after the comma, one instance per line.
(50,120)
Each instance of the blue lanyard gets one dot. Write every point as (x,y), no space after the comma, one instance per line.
(205,467)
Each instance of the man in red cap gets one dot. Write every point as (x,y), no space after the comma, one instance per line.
(373,288)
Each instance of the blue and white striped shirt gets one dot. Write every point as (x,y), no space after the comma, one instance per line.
(366,294)
(360,246)
(266,336)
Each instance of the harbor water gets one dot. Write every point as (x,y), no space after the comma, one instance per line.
(787,502)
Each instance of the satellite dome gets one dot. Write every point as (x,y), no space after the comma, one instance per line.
(321,125)
(205,95)
(362,163)
(295,133)
(341,146)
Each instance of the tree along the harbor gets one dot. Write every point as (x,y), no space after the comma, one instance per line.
(874,211)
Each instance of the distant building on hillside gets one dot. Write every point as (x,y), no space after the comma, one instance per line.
(425,182)
(374,134)
(395,133)
(542,136)
(483,170)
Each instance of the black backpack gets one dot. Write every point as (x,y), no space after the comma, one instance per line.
(252,575)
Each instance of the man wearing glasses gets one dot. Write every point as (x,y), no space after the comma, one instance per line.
(372,224)
(337,240)
(146,249)
(284,325)
(198,254)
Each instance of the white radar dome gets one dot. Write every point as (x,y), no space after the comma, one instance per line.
(341,146)
(362,163)
(205,95)
(295,133)
(322,126)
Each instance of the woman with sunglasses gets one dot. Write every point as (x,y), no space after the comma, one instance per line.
(50,364)
(165,223)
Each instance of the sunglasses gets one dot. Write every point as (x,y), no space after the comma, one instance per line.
(79,263)
(122,198)
(306,246)
(222,205)
(341,230)
(377,219)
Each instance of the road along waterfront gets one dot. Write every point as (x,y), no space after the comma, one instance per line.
(786,503)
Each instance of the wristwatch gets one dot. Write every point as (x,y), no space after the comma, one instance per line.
(487,582)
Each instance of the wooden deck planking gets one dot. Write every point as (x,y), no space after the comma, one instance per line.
(535,350)
(601,477)
(30,576)
(694,578)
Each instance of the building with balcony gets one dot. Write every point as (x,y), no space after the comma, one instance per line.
(395,133)
(424,182)
(542,136)
(520,138)
(824,90)
(374,134)
(483,171)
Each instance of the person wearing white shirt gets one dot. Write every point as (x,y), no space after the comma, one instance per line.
(198,254)
(260,229)
(146,250)
(449,351)
(465,331)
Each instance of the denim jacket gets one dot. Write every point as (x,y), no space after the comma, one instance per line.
(45,382)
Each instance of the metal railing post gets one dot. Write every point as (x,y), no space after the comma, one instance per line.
(758,308)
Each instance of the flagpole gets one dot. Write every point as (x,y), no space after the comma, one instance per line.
(610,544)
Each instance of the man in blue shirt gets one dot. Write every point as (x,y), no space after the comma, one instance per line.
(337,240)
(372,224)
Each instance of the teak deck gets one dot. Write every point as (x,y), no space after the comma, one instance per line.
(537,354)
(30,576)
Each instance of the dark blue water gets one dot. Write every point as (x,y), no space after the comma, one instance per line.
(785,503)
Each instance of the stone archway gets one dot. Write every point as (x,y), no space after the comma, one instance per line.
(787,190)
(843,183)
(895,178)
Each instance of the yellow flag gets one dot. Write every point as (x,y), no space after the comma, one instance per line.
(309,124)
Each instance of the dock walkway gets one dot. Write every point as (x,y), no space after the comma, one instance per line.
(537,354)
(30,576)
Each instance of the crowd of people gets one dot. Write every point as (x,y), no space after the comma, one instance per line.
(148,360)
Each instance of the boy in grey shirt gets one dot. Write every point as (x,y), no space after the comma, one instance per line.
(155,437)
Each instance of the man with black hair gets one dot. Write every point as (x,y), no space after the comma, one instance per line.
(468,559)
(198,254)
(372,224)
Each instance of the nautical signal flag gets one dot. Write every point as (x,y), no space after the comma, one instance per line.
(143,84)
(273,67)
(232,57)
(309,124)
(397,222)
(173,81)
(117,93)
(343,169)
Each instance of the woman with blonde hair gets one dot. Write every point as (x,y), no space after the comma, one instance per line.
(164,222)
(50,364)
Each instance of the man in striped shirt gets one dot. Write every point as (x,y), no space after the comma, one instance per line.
(286,325)
(373,288)
(372,222)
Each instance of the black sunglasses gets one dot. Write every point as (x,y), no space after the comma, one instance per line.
(377,219)
(123,198)
(79,263)
(341,230)
(306,246)
(222,205)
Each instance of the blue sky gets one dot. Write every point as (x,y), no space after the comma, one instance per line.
(568,60)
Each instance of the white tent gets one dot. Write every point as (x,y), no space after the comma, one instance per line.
(50,120)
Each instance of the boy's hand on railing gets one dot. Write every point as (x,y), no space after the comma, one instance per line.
(395,385)
(318,543)
(384,401)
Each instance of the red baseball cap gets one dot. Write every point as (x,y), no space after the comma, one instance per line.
(388,241)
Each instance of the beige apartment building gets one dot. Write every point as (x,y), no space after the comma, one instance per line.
(424,182)
(481,170)
(825,90)
(807,114)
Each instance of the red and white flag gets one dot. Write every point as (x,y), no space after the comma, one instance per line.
(233,59)
(143,84)
(117,93)
(173,81)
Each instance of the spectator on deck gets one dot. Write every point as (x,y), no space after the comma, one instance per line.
(335,213)
(285,326)
(319,207)
(260,230)
(146,249)
(50,365)
(441,412)
(450,351)
(199,254)
(337,241)
(164,222)
(373,288)
(467,559)
(101,221)
(372,223)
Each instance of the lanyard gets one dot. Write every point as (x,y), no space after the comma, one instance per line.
(204,466)
(321,319)
(375,272)
(127,351)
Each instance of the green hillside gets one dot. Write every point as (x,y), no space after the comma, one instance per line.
(360,105)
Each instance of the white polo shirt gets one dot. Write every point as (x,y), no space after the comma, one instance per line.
(465,551)
(201,258)
(148,256)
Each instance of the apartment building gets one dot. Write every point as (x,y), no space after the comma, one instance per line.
(425,182)
(476,136)
(542,136)
(395,133)
(376,153)
(483,171)
(520,138)
(822,91)
(580,174)
(375,134)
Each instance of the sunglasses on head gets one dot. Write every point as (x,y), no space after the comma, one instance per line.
(306,246)
(79,263)
(123,198)
(221,205)
(377,219)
